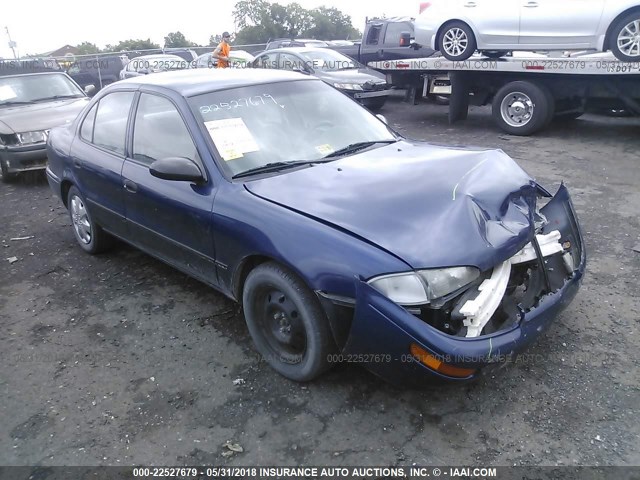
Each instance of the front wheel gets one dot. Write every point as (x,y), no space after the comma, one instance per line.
(457,41)
(522,108)
(625,38)
(89,234)
(287,323)
(6,176)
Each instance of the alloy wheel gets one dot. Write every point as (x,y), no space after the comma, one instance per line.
(517,109)
(455,41)
(629,39)
(80,220)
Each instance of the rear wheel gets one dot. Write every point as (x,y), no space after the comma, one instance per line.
(89,234)
(457,41)
(625,38)
(287,323)
(375,104)
(522,108)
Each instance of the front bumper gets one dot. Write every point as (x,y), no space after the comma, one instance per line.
(382,331)
(24,158)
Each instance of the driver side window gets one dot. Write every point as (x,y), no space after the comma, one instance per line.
(160,132)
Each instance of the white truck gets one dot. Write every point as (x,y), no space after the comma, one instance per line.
(526,91)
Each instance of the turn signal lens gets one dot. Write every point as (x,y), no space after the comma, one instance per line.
(439,366)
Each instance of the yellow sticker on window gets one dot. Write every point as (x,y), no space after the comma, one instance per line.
(231,137)
(325,149)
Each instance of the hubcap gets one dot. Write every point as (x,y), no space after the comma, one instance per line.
(455,42)
(283,327)
(629,39)
(80,220)
(517,109)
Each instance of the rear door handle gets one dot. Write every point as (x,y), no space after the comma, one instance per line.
(530,5)
(130,186)
(470,4)
(77,163)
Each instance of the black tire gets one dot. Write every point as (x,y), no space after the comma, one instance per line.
(633,20)
(375,104)
(287,323)
(462,32)
(494,53)
(6,176)
(530,109)
(95,239)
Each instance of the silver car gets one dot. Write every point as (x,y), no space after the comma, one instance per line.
(457,28)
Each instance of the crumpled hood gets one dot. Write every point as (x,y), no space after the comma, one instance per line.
(42,115)
(431,206)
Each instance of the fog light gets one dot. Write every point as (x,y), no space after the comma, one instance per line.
(439,366)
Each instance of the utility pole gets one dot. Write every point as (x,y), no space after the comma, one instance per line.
(12,44)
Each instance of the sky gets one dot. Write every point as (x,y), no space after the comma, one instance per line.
(39,26)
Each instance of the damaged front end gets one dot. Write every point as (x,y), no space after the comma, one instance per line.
(483,316)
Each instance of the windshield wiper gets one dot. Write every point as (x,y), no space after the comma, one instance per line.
(14,103)
(354,147)
(276,166)
(56,97)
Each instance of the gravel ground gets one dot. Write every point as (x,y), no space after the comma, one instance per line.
(118,359)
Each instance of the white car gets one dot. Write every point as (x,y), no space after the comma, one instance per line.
(457,28)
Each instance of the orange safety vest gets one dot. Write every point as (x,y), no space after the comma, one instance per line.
(225,48)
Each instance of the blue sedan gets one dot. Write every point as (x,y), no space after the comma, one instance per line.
(342,240)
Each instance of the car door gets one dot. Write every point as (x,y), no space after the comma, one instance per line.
(170,219)
(390,48)
(561,23)
(496,22)
(98,155)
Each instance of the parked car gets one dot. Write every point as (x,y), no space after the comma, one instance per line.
(382,41)
(28,65)
(238,59)
(30,105)
(364,84)
(147,64)
(98,71)
(336,234)
(295,42)
(458,28)
(185,53)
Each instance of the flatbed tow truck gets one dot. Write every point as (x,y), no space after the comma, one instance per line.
(526,91)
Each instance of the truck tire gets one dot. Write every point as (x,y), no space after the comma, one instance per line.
(494,54)
(523,108)
(457,41)
(625,38)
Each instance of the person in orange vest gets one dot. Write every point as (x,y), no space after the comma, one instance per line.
(222,51)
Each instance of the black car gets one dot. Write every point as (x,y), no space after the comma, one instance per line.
(362,83)
(97,71)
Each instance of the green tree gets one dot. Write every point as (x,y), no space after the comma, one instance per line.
(87,48)
(177,40)
(259,21)
(132,45)
(331,24)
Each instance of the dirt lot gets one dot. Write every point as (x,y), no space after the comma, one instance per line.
(118,359)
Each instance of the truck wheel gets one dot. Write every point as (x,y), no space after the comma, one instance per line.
(494,53)
(625,38)
(522,108)
(457,41)
(6,176)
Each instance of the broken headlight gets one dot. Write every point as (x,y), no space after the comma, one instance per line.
(423,286)
(28,138)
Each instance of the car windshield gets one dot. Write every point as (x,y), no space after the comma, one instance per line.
(286,122)
(328,60)
(36,88)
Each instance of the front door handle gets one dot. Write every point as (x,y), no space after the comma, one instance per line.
(530,5)
(130,186)
(470,4)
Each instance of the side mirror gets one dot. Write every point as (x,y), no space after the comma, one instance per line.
(382,118)
(90,89)
(405,39)
(176,168)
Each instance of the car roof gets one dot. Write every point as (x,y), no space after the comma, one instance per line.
(24,74)
(197,81)
(301,50)
(169,56)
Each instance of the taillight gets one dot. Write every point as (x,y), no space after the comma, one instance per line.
(424,6)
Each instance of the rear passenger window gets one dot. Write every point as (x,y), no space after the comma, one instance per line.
(86,132)
(159,131)
(110,125)
(374,34)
